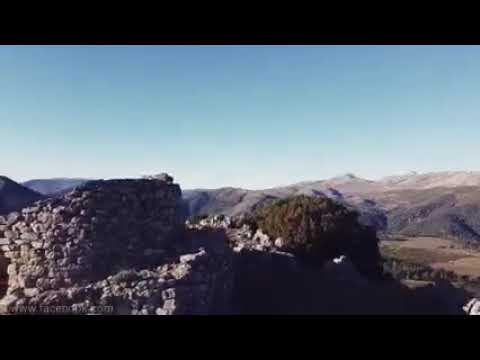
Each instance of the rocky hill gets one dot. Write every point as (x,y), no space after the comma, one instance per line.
(14,196)
(440,212)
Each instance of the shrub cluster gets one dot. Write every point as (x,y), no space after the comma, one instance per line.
(320,229)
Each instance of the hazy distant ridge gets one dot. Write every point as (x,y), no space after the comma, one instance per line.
(54,185)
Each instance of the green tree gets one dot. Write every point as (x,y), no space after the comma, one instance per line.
(320,229)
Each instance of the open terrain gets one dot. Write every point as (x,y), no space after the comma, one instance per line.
(434,252)
(419,253)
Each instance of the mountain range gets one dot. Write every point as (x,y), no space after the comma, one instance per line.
(53,186)
(444,204)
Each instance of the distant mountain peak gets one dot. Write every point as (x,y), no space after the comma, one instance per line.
(345,177)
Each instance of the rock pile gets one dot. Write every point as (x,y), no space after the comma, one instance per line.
(198,283)
(472,307)
(243,237)
(216,221)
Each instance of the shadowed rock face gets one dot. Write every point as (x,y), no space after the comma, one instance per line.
(269,283)
(270,280)
(14,196)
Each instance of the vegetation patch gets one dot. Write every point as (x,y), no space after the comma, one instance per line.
(320,229)
(418,255)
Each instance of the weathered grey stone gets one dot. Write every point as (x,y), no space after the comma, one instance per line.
(279,242)
(472,307)
(38,228)
(37,244)
(12,218)
(10,235)
(168,294)
(11,269)
(7,301)
(29,237)
(191,257)
(12,254)
(160,311)
(30,210)
(169,305)
(29,218)
(262,238)
(31,292)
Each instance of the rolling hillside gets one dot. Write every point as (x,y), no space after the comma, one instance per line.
(53,186)
(14,196)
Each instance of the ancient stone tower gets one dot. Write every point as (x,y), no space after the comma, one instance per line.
(112,247)
(96,230)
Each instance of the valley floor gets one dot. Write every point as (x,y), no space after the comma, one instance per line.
(435,252)
(438,254)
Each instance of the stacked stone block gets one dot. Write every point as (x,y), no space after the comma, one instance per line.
(92,232)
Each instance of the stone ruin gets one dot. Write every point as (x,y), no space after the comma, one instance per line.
(122,247)
(116,246)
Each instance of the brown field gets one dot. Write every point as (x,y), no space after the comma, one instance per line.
(435,252)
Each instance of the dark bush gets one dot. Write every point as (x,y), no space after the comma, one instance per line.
(320,229)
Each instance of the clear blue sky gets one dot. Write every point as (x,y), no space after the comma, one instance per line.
(249,116)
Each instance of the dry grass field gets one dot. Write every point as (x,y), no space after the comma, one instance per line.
(435,252)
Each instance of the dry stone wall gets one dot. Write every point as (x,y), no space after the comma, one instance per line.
(199,282)
(63,251)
